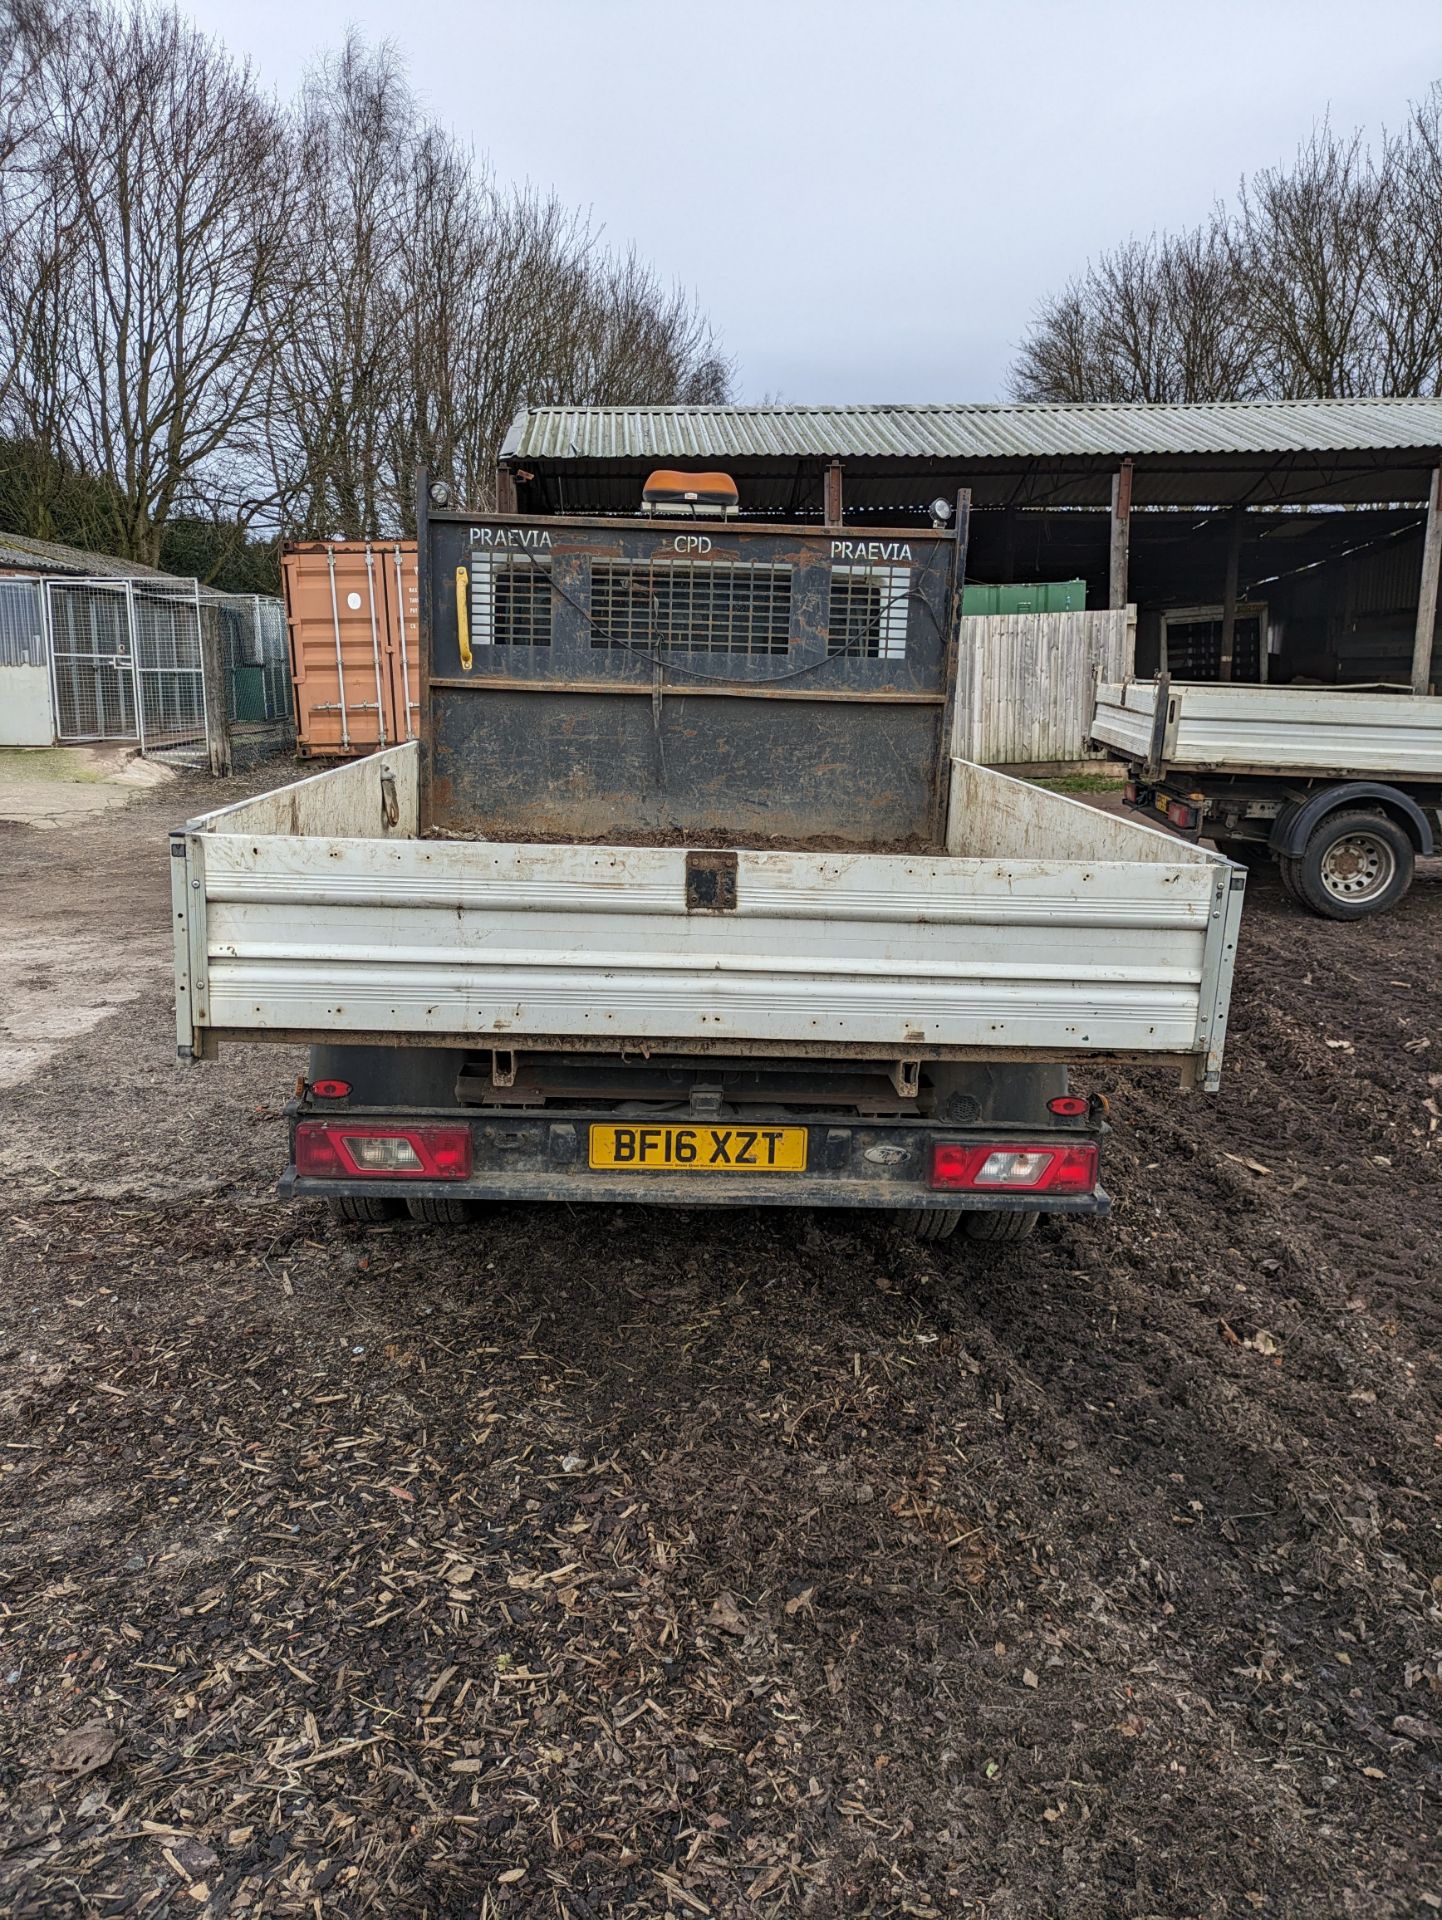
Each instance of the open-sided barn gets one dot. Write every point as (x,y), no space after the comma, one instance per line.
(1257,540)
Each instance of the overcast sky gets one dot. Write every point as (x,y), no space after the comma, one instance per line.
(869,197)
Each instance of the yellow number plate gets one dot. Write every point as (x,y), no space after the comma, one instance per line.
(642,1149)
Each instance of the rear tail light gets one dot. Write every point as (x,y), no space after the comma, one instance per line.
(1129,793)
(383,1153)
(332,1150)
(1181,815)
(1014,1167)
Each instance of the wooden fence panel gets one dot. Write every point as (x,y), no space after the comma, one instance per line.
(1028,683)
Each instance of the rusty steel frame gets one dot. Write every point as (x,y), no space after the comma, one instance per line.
(550,757)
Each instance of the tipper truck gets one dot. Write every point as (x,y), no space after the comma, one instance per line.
(1341,786)
(682,896)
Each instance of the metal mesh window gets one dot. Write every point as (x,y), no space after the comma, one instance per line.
(167,633)
(511,601)
(868,613)
(22,625)
(689,607)
(274,658)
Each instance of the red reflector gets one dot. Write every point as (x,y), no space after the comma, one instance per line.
(1014,1166)
(339,1150)
(1069,1106)
(330,1089)
(317,1154)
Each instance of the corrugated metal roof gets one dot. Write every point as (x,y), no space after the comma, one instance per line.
(1030,431)
(20,554)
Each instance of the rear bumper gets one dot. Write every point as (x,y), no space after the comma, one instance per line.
(858,1164)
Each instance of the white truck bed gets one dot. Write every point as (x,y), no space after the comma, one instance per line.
(1324,731)
(1048,930)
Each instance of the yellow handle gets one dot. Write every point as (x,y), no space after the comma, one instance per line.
(463,622)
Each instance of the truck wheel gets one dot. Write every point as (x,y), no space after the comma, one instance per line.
(926,1223)
(1353,865)
(1001,1228)
(360,1208)
(442,1213)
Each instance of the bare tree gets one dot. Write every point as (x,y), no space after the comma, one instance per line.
(437,302)
(216,309)
(35,214)
(145,366)
(337,380)
(641,338)
(487,335)
(1404,289)
(1325,278)
(1155,320)
(1304,240)
(1209,321)
(1059,359)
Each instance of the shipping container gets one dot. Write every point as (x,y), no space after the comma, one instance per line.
(1036,596)
(352,609)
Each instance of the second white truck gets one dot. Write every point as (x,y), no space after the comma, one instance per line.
(1341,786)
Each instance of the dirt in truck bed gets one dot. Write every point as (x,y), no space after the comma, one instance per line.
(622,1562)
(689,837)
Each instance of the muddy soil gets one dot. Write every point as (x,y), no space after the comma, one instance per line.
(624,1562)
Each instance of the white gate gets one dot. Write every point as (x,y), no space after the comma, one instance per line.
(1028,683)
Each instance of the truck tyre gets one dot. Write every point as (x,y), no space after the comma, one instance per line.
(442,1213)
(1001,1228)
(1354,864)
(926,1223)
(1289,884)
(361,1208)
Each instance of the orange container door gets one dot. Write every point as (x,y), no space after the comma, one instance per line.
(403,607)
(336,604)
